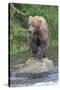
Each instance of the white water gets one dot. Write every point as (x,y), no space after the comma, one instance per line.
(50,79)
(39,84)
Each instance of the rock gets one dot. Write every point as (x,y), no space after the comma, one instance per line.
(33,66)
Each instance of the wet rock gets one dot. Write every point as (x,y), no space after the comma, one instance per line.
(35,67)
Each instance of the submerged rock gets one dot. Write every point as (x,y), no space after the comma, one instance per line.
(33,66)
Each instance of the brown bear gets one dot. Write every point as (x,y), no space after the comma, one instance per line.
(39,36)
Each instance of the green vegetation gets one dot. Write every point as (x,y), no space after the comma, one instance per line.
(19,14)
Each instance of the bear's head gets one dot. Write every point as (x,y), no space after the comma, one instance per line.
(34,24)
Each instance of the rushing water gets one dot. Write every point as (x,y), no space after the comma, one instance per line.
(50,78)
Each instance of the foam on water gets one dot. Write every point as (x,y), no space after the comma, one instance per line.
(45,83)
(38,84)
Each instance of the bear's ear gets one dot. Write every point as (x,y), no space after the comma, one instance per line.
(30,19)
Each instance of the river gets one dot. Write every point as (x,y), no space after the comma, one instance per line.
(46,79)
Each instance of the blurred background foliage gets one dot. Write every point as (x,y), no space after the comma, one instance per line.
(19,14)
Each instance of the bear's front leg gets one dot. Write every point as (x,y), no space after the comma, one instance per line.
(39,54)
(34,48)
